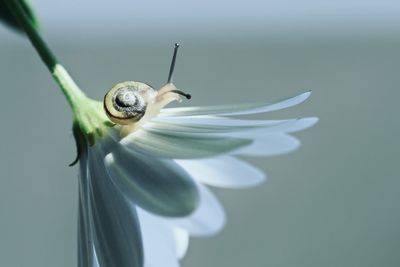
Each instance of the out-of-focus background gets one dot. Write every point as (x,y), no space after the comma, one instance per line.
(334,202)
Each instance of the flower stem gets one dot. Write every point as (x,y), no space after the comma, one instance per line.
(88,114)
(71,91)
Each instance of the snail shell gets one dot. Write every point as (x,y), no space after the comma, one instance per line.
(126,102)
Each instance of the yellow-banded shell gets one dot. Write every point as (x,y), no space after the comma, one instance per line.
(126,102)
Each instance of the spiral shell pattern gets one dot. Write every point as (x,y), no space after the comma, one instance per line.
(125,102)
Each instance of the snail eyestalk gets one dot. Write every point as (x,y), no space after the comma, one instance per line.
(170,76)
(179,92)
(172,67)
(167,89)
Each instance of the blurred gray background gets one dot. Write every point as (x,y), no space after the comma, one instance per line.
(334,202)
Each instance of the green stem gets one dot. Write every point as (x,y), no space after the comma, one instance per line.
(71,91)
(88,114)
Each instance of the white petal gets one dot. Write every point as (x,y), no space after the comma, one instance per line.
(114,224)
(299,125)
(181,242)
(87,256)
(246,127)
(261,142)
(223,172)
(158,241)
(207,124)
(85,240)
(214,120)
(95,258)
(208,219)
(240,109)
(182,146)
(83,254)
(156,184)
(270,145)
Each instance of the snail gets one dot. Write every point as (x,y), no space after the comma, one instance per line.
(128,103)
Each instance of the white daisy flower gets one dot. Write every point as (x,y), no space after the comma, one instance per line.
(143,185)
(143,181)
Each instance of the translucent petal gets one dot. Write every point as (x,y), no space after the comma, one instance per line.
(158,241)
(86,252)
(208,219)
(85,240)
(158,185)
(181,242)
(258,142)
(181,146)
(270,144)
(238,109)
(223,172)
(95,260)
(115,227)
(214,120)
(164,125)
(83,258)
